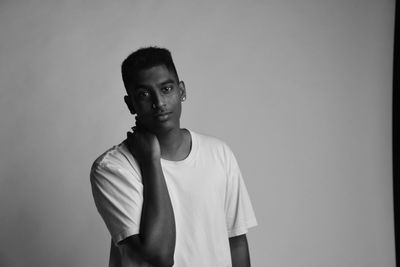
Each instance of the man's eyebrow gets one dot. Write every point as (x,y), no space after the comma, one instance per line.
(167,82)
(139,86)
(144,86)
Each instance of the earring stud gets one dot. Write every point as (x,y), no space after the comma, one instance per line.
(183,98)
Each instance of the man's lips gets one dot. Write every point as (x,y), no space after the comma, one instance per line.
(162,115)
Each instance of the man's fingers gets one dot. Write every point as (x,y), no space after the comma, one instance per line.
(139,125)
(129,136)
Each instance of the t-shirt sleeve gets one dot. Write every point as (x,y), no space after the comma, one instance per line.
(118,195)
(239,212)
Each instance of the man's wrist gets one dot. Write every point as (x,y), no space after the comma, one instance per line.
(150,162)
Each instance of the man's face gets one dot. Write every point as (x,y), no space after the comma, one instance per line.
(155,98)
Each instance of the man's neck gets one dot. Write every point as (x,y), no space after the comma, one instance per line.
(174,145)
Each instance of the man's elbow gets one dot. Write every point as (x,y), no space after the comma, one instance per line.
(160,259)
(163,262)
(158,256)
(152,253)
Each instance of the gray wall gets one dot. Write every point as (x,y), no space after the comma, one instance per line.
(300,89)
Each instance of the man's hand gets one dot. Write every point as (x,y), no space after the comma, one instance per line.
(143,144)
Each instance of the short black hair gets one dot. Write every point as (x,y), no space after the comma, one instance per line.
(145,58)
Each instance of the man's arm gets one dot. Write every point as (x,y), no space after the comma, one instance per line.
(239,251)
(157,235)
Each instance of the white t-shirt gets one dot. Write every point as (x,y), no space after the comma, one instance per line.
(208,195)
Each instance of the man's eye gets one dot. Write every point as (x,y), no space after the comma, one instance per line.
(166,89)
(143,94)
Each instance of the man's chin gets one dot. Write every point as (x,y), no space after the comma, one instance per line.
(163,128)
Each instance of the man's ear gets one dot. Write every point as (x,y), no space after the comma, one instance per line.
(182,90)
(128,102)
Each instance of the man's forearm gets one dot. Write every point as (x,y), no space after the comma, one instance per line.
(239,251)
(157,226)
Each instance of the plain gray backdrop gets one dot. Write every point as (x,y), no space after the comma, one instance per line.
(300,90)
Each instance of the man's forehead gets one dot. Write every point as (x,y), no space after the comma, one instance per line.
(155,75)
(155,71)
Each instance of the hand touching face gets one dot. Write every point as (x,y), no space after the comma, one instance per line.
(143,144)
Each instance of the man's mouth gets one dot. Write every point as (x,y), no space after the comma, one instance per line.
(162,116)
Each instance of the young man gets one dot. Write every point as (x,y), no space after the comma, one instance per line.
(169,196)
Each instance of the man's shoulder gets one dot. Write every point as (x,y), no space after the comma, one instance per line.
(118,155)
(207,138)
(210,142)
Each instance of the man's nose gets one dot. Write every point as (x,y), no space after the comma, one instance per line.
(158,101)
